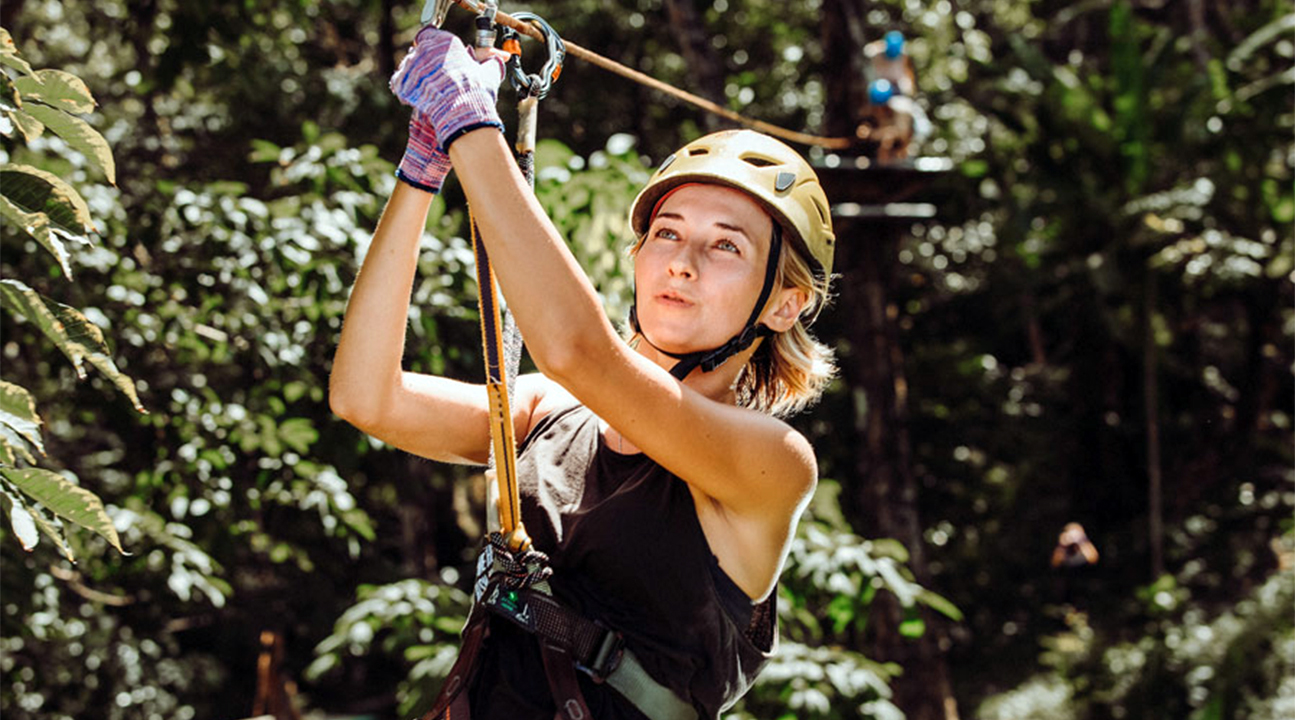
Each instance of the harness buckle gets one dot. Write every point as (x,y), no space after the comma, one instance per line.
(607,656)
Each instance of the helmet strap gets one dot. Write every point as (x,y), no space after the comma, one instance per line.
(708,360)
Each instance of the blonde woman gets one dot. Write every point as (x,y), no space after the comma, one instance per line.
(655,474)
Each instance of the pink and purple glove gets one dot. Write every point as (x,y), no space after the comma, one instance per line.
(451,94)
(424,164)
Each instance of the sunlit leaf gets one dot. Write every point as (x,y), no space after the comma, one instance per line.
(9,54)
(54,530)
(18,412)
(57,88)
(912,627)
(940,604)
(30,127)
(81,340)
(34,190)
(65,499)
(24,526)
(37,225)
(79,135)
(298,434)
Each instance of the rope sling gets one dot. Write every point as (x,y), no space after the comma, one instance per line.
(512,577)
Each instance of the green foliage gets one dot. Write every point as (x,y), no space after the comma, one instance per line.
(1232,665)
(1125,177)
(825,595)
(410,619)
(42,206)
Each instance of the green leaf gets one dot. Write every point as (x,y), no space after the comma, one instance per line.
(913,627)
(264,151)
(24,526)
(30,127)
(889,548)
(298,434)
(34,190)
(70,502)
(77,133)
(940,604)
(18,412)
(37,225)
(9,54)
(13,447)
(78,338)
(57,88)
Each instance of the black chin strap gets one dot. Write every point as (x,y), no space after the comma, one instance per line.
(708,360)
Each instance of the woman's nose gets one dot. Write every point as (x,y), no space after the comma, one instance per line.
(682,263)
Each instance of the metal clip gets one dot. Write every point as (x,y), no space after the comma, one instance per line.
(486,23)
(606,658)
(536,84)
(434,11)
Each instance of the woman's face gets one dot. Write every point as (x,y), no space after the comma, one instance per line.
(700,269)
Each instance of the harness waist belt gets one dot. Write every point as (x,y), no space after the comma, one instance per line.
(598,651)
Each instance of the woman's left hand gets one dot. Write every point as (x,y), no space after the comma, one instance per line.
(448,86)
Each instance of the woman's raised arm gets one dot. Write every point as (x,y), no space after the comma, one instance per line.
(430,416)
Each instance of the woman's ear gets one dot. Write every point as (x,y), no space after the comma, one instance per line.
(784,309)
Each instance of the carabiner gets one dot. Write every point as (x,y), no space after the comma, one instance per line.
(533,84)
(434,11)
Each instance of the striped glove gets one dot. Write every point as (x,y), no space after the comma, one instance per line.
(425,164)
(445,84)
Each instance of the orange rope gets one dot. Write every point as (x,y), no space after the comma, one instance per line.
(574,50)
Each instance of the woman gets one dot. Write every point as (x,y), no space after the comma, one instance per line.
(665,502)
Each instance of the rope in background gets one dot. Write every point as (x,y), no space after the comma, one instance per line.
(574,50)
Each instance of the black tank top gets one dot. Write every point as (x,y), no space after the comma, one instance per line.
(627,549)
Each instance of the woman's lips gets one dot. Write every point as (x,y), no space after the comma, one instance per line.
(673,299)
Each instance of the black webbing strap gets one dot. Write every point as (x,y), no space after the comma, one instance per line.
(452,702)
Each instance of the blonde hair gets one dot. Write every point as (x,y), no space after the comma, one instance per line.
(789,370)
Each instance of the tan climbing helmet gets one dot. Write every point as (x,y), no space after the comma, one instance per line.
(765,168)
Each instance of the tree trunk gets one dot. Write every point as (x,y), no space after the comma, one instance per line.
(882,496)
(1151,405)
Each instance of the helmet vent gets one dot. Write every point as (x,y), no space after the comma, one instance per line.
(694,152)
(758,161)
(822,213)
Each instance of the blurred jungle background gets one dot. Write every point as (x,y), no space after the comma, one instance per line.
(1071,304)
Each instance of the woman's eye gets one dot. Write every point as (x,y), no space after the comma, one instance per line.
(727,246)
(666,234)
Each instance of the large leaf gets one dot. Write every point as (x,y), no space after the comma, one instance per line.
(37,225)
(34,190)
(78,134)
(18,413)
(61,497)
(9,54)
(62,90)
(78,338)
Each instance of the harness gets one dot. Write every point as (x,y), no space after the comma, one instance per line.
(515,587)
(512,577)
